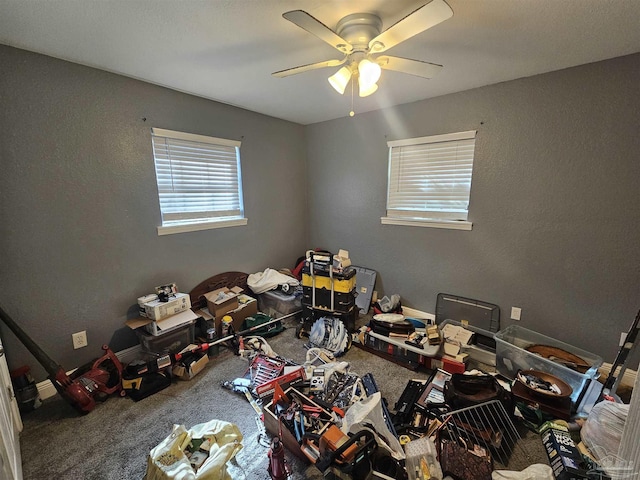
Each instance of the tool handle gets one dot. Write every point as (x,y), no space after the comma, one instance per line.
(205,346)
(52,368)
(252,329)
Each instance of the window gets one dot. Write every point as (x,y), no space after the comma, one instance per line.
(199,181)
(430,181)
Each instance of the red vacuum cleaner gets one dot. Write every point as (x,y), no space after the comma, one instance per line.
(94,381)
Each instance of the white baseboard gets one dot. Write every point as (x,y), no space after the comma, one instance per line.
(129,354)
(47,390)
(628,378)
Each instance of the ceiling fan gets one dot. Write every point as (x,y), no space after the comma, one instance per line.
(359,38)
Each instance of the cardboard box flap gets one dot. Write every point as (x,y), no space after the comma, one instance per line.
(204,313)
(137,322)
(164,324)
(177,319)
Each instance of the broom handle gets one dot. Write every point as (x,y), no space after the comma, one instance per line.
(205,346)
(254,328)
(45,360)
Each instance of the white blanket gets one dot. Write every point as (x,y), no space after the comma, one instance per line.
(270,279)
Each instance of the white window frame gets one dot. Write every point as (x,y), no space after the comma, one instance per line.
(407,203)
(210,159)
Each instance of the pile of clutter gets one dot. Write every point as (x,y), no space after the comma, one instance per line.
(178,341)
(458,425)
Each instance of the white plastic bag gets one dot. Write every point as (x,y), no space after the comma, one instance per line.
(167,461)
(537,471)
(367,413)
(602,431)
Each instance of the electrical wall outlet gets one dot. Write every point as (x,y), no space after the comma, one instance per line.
(79,339)
(515,313)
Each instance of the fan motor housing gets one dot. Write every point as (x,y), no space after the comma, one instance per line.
(359,29)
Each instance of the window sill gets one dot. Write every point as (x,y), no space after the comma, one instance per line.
(449,224)
(195,227)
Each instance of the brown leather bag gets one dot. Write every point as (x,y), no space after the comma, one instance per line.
(464,461)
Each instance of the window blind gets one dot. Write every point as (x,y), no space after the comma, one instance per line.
(430,177)
(198,177)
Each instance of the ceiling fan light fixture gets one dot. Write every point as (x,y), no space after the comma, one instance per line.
(365,90)
(359,38)
(340,79)
(369,72)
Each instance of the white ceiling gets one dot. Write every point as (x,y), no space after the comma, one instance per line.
(226,50)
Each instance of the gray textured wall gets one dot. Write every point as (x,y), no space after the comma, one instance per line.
(555,202)
(79,207)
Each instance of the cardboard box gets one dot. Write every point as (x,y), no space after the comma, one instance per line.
(276,303)
(481,347)
(222,300)
(446,364)
(455,338)
(186,371)
(247,306)
(564,457)
(165,325)
(157,310)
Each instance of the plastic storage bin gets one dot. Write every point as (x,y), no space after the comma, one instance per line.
(365,284)
(170,342)
(512,356)
(277,304)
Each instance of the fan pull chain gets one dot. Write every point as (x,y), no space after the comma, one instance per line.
(352,113)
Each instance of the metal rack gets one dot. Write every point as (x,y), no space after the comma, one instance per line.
(489,426)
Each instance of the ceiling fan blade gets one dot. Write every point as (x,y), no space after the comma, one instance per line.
(306,68)
(406,65)
(319,29)
(418,21)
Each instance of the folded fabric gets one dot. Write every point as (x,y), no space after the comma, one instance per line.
(270,279)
